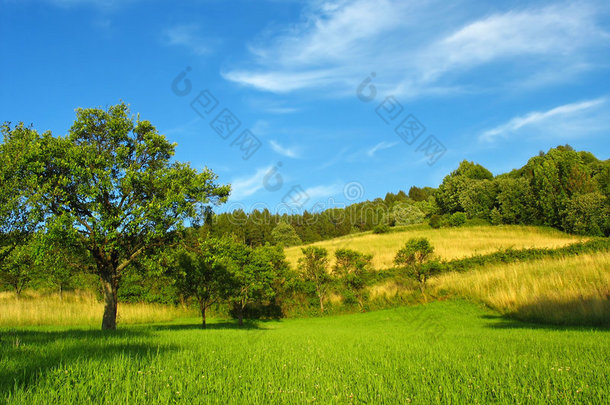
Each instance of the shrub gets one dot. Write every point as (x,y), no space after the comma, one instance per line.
(457,219)
(381,228)
(435,221)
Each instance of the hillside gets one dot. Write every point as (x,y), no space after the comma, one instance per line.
(449,243)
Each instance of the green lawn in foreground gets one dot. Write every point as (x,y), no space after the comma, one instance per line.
(451,352)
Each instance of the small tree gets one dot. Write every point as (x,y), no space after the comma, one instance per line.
(201,274)
(414,256)
(254,273)
(351,268)
(314,265)
(284,234)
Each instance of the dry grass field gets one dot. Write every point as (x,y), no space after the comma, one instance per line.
(449,243)
(76,308)
(562,291)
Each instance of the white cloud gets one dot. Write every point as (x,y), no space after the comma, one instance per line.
(380,146)
(567,116)
(323,191)
(285,151)
(339,42)
(243,187)
(189,36)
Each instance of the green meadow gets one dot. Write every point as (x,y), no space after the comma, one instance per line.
(442,352)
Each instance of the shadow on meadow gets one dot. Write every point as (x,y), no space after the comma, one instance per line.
(27,355)
(248,325)
(577,315)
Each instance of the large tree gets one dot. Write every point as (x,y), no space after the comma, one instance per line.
(112,183)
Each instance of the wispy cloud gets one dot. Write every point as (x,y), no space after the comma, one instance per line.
(323,191)
(560,114)
(285,151)
(188,36)
(380,146)
(339,42)
(243,187)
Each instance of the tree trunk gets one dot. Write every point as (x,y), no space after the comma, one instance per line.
(422,285)
(61,292)
(321,303)
(110,308)
(202,309)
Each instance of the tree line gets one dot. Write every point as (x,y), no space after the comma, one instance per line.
(562,188)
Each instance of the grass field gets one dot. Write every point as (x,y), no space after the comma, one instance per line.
(76,308)
(449,243)
(448,352)
(569,290)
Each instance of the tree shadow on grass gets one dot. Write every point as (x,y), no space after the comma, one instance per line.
(233,325)
(513,322)
(27,355)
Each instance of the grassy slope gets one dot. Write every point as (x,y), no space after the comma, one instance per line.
(567,290)
(449,243)
(451,352)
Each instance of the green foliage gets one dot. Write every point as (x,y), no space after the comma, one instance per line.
(112,181)
(420,194)
(314,270)
(381,228)
(457,219)
(284,234)
(201,273)
(587,214)
(18,269)
(515,201)
(415,252)
(478,198)
(351,268)
(256,273)
(435,221)
(404,214)
(495,217)
(414,257)
(544,191)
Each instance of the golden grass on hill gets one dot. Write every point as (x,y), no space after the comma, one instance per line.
(76,308)
(449,243)
(572,290)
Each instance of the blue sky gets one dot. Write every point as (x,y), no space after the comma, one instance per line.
(324,87)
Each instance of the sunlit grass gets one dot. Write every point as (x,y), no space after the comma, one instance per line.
(76,308)
(449,243)
(572,290)
(449,352)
